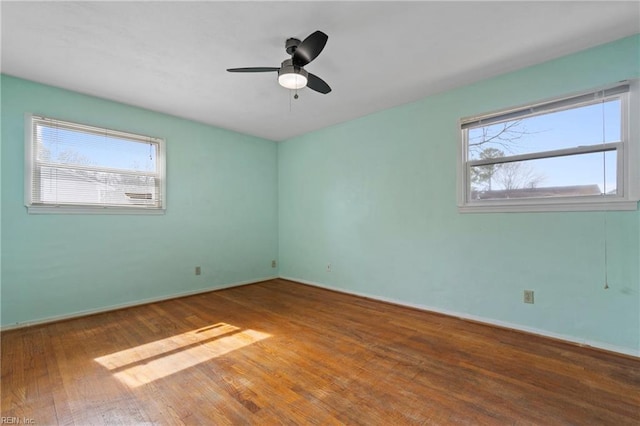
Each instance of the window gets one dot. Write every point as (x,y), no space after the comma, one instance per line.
(573,153)
(74,168)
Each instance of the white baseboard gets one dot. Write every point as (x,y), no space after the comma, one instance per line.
(128,305)
(462,315)
(490,321)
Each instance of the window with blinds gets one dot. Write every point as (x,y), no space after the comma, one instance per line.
(572,153)
(76,168)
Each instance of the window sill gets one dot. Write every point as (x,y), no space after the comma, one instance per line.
(93,210)
(536,206)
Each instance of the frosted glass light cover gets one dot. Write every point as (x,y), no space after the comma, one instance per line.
(292,80)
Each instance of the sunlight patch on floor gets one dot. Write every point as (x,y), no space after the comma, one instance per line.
(145,363)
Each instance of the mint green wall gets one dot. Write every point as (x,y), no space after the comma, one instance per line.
(221,215)
(0,204)
(376,198)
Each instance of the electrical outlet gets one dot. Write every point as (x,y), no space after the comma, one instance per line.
(273,263)
(528,296)
(198,270)
(328,267)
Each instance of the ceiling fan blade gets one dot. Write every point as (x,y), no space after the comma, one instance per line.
(310,48)
(316,83)
(253,69)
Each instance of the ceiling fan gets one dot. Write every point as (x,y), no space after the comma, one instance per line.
(291,73)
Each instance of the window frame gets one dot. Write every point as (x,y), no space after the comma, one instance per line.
(627,176)
(31,166)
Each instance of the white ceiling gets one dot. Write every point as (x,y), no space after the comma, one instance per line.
(172,56)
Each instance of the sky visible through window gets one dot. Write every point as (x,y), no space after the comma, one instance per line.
(74,147)
(583,126)
(91,167)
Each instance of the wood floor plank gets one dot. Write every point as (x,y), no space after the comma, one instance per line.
(280,352)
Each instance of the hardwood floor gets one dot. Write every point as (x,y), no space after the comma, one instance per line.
(284,353)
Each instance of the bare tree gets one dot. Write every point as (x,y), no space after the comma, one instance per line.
(505,135)
(512,176)
(496,141)
(69,156)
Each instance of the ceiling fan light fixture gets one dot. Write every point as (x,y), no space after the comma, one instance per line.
(291,76)
(292,80)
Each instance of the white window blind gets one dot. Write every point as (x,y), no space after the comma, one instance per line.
(73,167)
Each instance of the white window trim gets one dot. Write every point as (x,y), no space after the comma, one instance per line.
(85,209)
(628,166)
